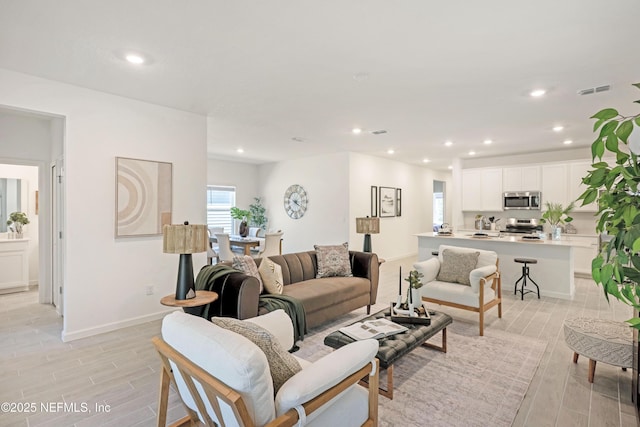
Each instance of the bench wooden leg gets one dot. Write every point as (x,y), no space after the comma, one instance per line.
(388,393)
(575,357)
(592,369)
(442,348)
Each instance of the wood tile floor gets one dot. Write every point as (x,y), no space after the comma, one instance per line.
(120,368)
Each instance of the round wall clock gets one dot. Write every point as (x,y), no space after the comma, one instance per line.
(295,201)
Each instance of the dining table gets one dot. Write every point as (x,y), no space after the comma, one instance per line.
(244,242)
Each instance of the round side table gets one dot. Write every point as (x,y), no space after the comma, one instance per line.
(202,298)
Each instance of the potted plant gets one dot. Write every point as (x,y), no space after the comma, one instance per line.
(415,283)
(243,216)
(556,215)
(615,187)
(16,221)
(257,214)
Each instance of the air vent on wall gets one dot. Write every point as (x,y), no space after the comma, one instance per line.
(379,132)
(593,90)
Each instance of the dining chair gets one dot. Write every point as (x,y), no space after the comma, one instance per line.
(271,245)
(212,250)
(224,247)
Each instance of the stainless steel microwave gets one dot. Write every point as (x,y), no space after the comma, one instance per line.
(525,200)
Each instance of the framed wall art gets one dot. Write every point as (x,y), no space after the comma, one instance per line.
(387,202)
(143,197)
(374,201)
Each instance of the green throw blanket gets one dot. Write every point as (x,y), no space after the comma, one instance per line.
(292,307)
(207,275)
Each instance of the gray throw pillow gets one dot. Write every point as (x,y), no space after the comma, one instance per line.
(248,266)
(281,364)
(456,266)
(333,261)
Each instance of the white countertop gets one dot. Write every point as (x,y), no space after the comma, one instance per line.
(493,238)
(473,230)
(24,239)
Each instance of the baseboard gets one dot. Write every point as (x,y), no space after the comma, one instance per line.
(84,333)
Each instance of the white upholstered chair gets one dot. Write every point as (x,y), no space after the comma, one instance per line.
(223,379)
(483,293)
(224,247)
(271,245)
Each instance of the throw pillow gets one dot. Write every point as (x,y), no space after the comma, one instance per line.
(333,261)
(248,266)
(456,266)
(281,363)
(271,274)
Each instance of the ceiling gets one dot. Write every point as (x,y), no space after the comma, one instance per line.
(265,72)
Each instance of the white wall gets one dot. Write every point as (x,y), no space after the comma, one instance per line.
(326,181)
(29,175)
(106,278)
(397,234)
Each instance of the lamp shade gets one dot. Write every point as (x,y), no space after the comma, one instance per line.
(368,225)
(185,238)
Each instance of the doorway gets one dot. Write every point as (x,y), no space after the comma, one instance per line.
(438,204)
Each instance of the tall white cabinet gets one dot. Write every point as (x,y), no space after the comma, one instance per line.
(482,189)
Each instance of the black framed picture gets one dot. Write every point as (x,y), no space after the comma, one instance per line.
(374,201)
(398,201)
(387,202)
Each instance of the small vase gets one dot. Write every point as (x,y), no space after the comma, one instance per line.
(556,232)
(243,230)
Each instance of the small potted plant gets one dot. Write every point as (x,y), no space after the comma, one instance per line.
(556,215)
(415,284)
(16,221)
(243,216)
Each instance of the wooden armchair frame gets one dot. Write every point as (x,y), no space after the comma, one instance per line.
(215,389)
(496,285)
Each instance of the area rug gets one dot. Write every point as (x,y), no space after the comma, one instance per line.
(480,381)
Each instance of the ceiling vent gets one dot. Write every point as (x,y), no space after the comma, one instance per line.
(379,132)
(593,90)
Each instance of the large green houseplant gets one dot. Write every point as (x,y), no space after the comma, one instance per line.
(615,187)
(257,211)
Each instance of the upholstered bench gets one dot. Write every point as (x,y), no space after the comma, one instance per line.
(600,340)
(394,347)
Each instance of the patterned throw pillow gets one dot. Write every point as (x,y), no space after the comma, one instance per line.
(333,261)
(248,266)
(456,266)
(271,274)
(281,364)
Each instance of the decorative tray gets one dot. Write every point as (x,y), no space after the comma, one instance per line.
(531,238)
(480,236)
(422,319)
(445,234)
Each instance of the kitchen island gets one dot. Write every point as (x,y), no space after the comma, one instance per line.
(553,273)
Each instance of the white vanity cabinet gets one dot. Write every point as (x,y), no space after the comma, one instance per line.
(14,265)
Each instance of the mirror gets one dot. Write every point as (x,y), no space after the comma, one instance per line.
(10,199)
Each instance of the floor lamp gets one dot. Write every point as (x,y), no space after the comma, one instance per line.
(367,226)
(185,239)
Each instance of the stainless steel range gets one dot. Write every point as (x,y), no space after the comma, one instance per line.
(522,225)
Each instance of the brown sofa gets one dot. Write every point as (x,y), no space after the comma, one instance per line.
(323,299)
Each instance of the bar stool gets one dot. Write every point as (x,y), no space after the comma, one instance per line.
(524,277)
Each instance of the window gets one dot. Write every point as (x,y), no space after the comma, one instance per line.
(220,200)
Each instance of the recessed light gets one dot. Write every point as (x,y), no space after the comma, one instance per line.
(134,58)
(537,93)
(567,141)
(472,153)
(449,167)
(298,139)
(361,76)
(390,151)
(356,131)
(487,141)
(240,150)
(425,160)
(448,143)
(558,128)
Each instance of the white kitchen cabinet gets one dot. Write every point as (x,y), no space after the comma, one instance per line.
(482,189)
(554,184)
(521,179)
(471,190)
(577,171)
(492,189)
(14,264)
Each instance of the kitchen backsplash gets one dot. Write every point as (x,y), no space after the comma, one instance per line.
(584,222)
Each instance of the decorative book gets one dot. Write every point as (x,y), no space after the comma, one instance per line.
(377,328)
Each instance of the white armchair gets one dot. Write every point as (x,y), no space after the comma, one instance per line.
(224,379)
(483,291)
